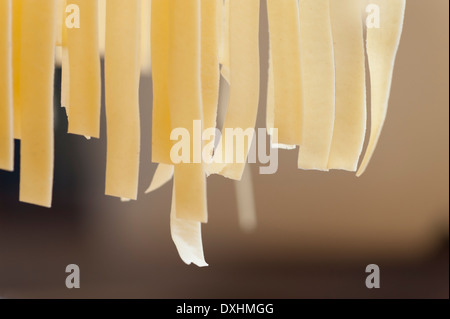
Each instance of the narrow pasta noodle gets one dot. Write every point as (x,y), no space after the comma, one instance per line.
(6,116)
(225,43)
(185,100)
(350,117)
(84,73)
(244,85)
(101,25)
(285,72)
(382,46)
(245,199)
(122,72)
(317,64)
(145,36)
(161,125)
(186,234)
(38,36)
(210,72)
(16,47)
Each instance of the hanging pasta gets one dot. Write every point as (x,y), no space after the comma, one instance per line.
(382,46)
(36,66)
(350,115)
(316,92)
(6,111)
(84,68)
(122,72)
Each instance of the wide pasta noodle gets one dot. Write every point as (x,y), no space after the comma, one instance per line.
(285,77)
(350,119)
(185,100)
(122,73)
(37,58)
(382,45)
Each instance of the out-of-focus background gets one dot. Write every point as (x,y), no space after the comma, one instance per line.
(316,231)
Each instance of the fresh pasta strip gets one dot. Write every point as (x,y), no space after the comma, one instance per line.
(185,100)
(16,49)
(317,64)
(60,21)
(350,117)
(245,199)
(65,66)
(60,15)
(382,46)
(38,36)
(210,72)
(145,36)
(163,174)
(161,124)
(101,25)
(225,44)
(84,64)
(286,79)
(122,72)
(186,234)
(244,86)
(6,116)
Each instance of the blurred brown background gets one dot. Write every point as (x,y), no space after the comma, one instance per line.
(316,231)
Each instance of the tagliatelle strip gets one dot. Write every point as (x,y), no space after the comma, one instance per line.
(161,125)
(244,87)
(224,54)
(350,117)
(382,47)
(186,234)
(6,130)
(285,71)
(317,64)
(185,102)
(37,59)
(145,36)
(101,25)
(84,63)
(210,72)
(122,72)
(16,45)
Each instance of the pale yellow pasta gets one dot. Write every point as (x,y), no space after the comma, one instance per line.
(6,129)
(37,58)
(350,119)
(185,102)
(122,72)
(382,46)
(161,125)
(285,78)
(317,64)
(84,72)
